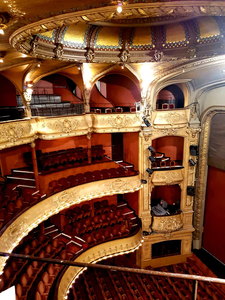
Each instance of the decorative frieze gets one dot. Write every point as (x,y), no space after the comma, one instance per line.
(166,224)
(167,177)
(170,118)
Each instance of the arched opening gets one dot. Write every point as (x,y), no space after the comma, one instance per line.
(114,93)
(170,97)
(56,95)
(167,152)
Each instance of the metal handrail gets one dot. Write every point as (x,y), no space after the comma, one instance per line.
(195,278)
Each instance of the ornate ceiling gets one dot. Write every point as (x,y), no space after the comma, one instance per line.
(65,32)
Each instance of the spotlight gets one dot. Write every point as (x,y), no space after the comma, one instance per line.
(147,123)
(194,150)
(190,190)
(151,149)
(143,181)
(192,162)
(152,159)
(150,171)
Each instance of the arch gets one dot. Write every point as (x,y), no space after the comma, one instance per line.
(170,97)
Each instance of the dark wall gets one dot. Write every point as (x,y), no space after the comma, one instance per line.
(214,229)
(8,92)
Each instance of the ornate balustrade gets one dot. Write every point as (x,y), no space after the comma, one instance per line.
(26,131)
(167,224)
(167,118)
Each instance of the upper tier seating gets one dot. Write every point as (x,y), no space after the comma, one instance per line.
(56,160)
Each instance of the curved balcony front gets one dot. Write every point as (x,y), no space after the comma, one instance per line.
(167,223)
(166,118)
(21,132)
(97,253)
(42,210)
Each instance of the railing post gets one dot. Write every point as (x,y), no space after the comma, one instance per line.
(195,290)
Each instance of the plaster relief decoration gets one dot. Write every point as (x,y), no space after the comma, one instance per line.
(167,224)
(40,212)
(15,133)
(171,118)
(66,126)
(167,177)
(113,123)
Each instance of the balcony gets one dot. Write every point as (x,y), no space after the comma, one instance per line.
(167,223)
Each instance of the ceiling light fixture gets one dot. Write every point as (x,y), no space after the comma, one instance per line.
(4,19)
(119,7)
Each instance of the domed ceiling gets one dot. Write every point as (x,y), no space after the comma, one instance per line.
(142,32)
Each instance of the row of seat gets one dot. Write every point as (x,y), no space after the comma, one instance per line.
(63,158)
(110,110)
(129,286)
(56,186)
(14,200)
(34,279)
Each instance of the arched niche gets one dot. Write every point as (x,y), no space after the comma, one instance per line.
(56,94)
(170,148)
(8,102)
(170,97)
(115,91)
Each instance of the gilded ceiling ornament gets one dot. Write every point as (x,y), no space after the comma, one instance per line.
(191,52)
(58,51)
(90,55)
(158,55)
(124,56)
(34,45)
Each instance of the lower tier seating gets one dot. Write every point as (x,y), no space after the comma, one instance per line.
(58,238)
(130,286)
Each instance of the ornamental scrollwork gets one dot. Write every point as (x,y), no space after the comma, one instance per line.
(120,122)
(168,224)
(12,133)
(167,177)
(65,126)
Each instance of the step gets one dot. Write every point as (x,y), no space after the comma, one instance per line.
(21,181)
(22,173)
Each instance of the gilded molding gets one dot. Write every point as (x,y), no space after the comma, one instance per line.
(52,205)
(199,199)
(26,131)
(167,177)
(97,253)
(116,122)
(16,133)
(167,224)
(171,117)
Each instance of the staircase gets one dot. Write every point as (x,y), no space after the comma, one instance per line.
(22,177)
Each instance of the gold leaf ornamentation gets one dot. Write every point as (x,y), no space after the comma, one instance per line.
(164,224)
(12,133)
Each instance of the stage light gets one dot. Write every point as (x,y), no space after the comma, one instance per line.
(192,162)
(151,149)
(147,123)
(152,159)
(150,171)
(143,181)
(194,150)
